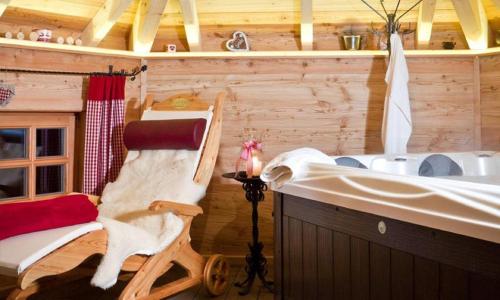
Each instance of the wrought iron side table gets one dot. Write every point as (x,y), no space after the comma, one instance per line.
(256,262)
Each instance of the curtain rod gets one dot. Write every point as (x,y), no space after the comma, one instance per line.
(132,74)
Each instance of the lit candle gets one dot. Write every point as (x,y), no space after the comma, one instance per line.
(256,166)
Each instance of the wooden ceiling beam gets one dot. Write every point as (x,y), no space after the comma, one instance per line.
(474,22)
(306,25)
(103,21)
(424,23)
(3,6)
(191,24)
(146,23)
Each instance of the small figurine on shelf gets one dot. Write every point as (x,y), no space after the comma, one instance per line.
(251,152)
(34,36)
(171,48)
(44,35)
(449,45)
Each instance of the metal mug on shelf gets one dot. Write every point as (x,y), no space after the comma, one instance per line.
(352,42)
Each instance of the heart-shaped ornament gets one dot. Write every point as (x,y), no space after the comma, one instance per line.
(239,42)
(7,91)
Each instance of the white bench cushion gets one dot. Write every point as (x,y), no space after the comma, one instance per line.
(19,252)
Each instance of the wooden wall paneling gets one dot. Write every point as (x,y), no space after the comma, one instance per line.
(490,102)
(447,94)
(341,265)
(285,279)
(26,20)
(103,21)
(325,262)
(296,258)
(386,271)
(424,22)
(477,104)
(334,105)
(411,239)
(454,283)
(146,24)
(261,37)
(442,32)
(3,6)
(380,274)
(426,283)
(310,261)
(260,12)
(360,269)
(401,275)
(482,287)
(306,25)
(279,37)
(117,37)
(191,24)
(474,22)
(278,244)
(173,34)
(270,19)
(39,92)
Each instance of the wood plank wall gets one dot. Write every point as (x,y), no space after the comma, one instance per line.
(17,19)
(286,37)
(490,102)
(333,104)
(263,37)
(39,92)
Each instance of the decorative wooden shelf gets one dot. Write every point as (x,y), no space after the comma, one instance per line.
(13,43)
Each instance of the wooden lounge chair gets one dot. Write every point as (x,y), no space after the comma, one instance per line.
(212,272)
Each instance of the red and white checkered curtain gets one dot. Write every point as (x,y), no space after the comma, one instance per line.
(103,132)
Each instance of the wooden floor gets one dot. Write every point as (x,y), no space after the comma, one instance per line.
(81,289)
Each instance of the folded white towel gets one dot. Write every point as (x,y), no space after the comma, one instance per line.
(292,165)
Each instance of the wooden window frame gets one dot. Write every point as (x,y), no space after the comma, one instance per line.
(31,122)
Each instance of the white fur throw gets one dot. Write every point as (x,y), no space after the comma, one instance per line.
(146,176)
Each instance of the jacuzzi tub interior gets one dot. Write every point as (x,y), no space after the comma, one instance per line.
(482,167)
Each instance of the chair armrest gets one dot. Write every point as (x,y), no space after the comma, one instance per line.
(92,198)
(176,208)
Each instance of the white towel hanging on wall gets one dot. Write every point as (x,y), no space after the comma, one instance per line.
(396,124)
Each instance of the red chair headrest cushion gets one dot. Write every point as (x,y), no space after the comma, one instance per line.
(164,134)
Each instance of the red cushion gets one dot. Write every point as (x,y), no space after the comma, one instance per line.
(164,134)
(24,217)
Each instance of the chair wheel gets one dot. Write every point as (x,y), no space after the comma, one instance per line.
(216,275)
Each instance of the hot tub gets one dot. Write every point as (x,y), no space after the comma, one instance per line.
(456,192)
(421,226)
